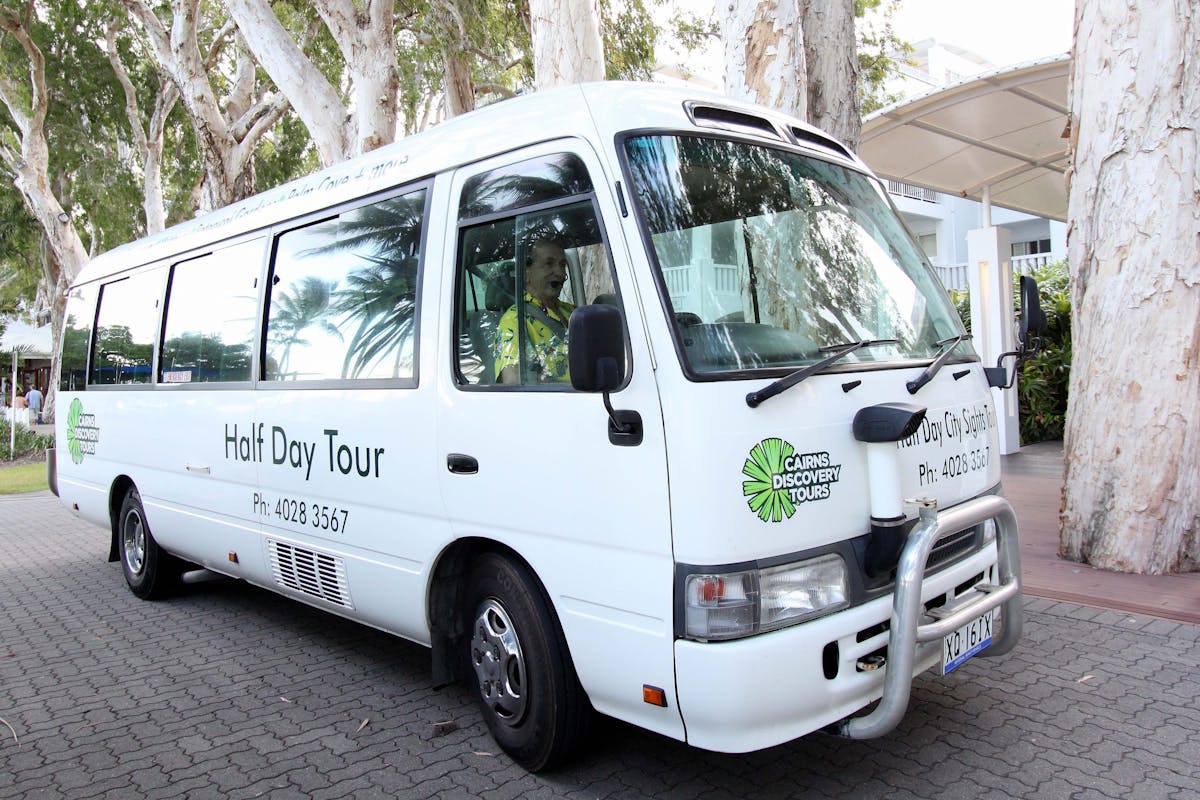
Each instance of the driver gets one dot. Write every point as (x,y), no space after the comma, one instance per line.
(546,319)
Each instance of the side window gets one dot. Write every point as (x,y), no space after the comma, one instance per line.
(125,324)
(343,296)
(520,278)
(77,332)
(210,316)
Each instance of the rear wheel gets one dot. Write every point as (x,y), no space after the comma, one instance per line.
(521,670)
(150,571)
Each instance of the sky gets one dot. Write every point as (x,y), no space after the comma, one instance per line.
(1004,32)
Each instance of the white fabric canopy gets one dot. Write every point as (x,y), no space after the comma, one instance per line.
(1002,131)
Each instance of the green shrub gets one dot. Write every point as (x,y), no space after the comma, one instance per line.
(28,442)
(1045,376)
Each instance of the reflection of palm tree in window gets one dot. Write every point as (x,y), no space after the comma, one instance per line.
(378,297)
(524,184)
(308,305)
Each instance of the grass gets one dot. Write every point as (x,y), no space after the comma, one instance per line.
(24,478)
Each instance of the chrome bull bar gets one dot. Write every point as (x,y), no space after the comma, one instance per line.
(907,612)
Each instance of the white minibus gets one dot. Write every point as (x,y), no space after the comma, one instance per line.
(754,496)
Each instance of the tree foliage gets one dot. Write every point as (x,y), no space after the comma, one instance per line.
(880,52)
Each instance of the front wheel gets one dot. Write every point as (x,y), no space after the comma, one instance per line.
(150,571)
(522,673)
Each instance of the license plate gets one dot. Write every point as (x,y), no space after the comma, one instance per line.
(967,641)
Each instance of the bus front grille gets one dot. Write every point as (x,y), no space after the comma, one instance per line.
(315,574)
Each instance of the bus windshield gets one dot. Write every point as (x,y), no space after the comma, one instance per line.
(771,259)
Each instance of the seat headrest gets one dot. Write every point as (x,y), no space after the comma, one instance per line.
(500,295)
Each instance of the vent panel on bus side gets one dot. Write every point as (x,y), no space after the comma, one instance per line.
(315,574)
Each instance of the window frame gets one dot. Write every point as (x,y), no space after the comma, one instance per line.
(92,304)
(206,252)
(462,179)
(98,286)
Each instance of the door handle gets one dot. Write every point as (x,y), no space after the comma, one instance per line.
(461,464)
(198,468)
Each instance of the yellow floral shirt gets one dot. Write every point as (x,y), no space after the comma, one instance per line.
(546,356)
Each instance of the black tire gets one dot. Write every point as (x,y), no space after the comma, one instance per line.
(151,572)
(519,666)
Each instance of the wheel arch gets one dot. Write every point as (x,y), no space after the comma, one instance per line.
(116,495)
(444,600)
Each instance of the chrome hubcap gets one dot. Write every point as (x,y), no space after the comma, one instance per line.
(133,532)
(499,667)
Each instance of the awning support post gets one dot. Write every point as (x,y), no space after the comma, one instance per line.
(989,275)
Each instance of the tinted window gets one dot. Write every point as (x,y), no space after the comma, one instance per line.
(344,295)
(526,183)
(559,258)
(125,326)
(77,332)
(210,316)
(772,259)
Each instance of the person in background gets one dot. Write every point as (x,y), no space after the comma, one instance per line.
(35,398)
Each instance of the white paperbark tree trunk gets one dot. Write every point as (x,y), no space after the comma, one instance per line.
(28,159)
(1131,499)
(366,39)
(457,81)
(316,101)
(831,59)
(566,42)
(147,137)
(764,53)
(797,56)
(227,128)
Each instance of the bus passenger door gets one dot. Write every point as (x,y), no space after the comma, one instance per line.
(527,461)
(200,497)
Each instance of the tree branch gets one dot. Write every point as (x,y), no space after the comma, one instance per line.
(38,102)
(152,25)
(220,41)
(494,88)
(259,119)
(339,17)
(133,112)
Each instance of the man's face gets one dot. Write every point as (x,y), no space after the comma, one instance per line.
(546,274)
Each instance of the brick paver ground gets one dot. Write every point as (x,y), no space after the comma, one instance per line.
(228,691)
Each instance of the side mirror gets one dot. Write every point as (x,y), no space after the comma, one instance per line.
(597,348)
(1033,319)
(596,351)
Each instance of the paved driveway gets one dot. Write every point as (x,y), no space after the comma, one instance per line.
(228,691)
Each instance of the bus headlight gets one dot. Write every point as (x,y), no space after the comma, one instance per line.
(735,604)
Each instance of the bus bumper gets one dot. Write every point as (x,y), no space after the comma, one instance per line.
(764,690)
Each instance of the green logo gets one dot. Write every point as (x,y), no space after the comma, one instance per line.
(781,479)
(82,432)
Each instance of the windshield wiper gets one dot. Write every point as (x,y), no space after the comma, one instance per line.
(925,377)
(839,351)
